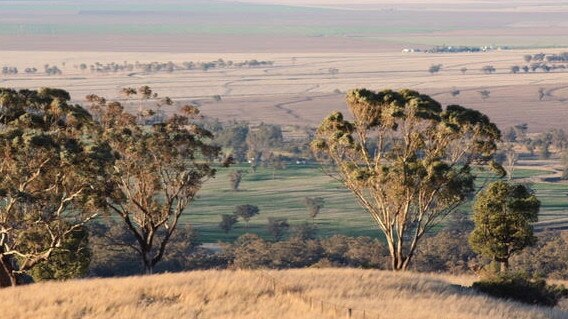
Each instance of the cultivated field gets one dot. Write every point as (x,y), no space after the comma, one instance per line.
(307,293)
(300,89)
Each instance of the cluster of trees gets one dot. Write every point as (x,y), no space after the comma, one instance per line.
(9,70)
(408,161)
(52,70)
(63,166)
(545,145)
(155,67)
(461,48)
(261,144)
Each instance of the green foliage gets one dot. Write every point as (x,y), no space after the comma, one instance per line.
(108,242)
(548,258)
(246,212)
(69,261)
(447,250)
(227,222)
(233,136)
(277,226)
(520,287)
(251,251)
(502,216)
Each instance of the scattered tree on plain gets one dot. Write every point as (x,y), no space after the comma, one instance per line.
(488,69)
(314,205)
(435,68)
(485,94)
(420,169)
(246,212)
(227,222)
(235,178)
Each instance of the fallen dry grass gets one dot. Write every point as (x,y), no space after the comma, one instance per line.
(251,294)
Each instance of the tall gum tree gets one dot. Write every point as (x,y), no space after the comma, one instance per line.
(52,174)
(157,174)
(407,160)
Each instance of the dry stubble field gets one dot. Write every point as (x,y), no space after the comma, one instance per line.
(299,89)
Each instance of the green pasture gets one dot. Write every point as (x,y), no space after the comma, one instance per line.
(282,196)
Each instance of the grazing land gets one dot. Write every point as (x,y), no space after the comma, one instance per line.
(266,294)
(298,91)
(341,213)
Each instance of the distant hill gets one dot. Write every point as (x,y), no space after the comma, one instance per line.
(264,294)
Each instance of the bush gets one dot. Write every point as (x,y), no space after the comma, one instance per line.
(520,287)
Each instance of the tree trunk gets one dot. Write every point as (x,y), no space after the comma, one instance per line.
(7,276)
(147,259)
(504,265)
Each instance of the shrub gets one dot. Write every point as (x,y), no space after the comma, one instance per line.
(522,288)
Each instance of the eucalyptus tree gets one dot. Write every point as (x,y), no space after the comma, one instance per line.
(157,174)
(407,160)
(53,174)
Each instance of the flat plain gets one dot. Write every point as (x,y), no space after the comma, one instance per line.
(319,49)
(298,91)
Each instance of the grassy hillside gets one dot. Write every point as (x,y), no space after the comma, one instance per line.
(258,294)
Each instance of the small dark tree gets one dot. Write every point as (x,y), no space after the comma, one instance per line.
(541,94)
(485,94)
(435,68)
(488,69)
(314,205)
(227,222)
(277,227)
(502,216)
(515,69)
(463,70)
(246,212)
(455,92)
(333,72)
(235,178)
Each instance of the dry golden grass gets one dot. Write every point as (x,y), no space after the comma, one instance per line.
(251,294)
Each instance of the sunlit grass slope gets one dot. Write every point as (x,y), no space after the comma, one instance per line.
(257,294)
